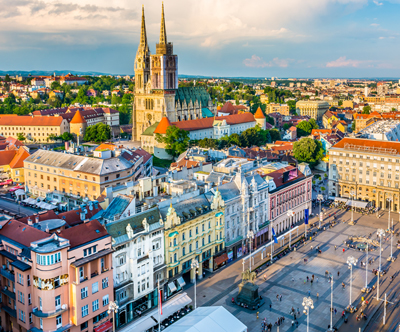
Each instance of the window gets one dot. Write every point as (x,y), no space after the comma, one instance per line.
(21,297)
(21,315)
(85,310)
(122,260)
(20,279)
(183,251)
(30,318)
(104,283)
(29,299)
(95,287)
(105,300)
(58,302)
(95,305)
(89,251)
(58,321)
(84,326)
(48,259)
(84,293)
(81,273)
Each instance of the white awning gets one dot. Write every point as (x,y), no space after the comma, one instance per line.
(31,201)
(357,204)
(341,199)
(19,192)
(181,282)
(168,308)
(26,200)
(172,287)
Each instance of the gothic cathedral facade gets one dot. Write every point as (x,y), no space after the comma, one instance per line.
(156,86)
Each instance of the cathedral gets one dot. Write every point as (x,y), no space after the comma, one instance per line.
(157,94)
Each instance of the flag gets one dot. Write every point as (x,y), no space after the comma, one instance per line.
(306,216)
(273,235)
(159,300)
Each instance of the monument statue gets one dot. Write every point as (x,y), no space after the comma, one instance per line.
(248,291)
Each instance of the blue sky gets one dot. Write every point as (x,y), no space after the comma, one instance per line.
(261,38)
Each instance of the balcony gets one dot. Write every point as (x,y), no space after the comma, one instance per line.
(59,310)
(7,309)
(7,292)
(7,274)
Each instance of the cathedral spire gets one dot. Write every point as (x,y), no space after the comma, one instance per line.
(163,31)
(143,35)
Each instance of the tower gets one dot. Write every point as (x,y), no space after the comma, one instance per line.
(260,118)
(78,125)
(142,60)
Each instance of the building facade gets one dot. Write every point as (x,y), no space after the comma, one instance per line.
(193,230)
(368,169)
(314,109)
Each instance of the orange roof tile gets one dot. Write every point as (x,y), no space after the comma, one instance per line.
(20,156)
(162,126)
(30,121)
(6,156)
(78,118)
(368,143)
(259,114)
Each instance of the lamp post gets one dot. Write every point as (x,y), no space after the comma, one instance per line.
(366,289)
(351,261)
(291,214)
(320,198)
(380,233)
(250,235)
(195,266)
(391,258)
(389,199)
(305,225)
(352,194)
(307,304)
(331,329)
(113,307)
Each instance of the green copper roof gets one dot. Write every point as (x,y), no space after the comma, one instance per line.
(192,94)
(206,113)
(150,130)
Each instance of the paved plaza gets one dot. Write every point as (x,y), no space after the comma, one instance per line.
(287,277)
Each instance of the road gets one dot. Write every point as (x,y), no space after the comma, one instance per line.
(16,208)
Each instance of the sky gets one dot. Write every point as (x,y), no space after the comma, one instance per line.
(231,38)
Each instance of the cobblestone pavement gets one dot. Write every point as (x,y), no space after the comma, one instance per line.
(287,277)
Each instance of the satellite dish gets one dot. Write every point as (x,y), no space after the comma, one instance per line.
(85,211)
(91,207)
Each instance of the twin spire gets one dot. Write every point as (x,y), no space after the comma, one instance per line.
(143,35)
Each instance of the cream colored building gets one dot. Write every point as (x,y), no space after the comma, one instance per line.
(368,168)
(313,108)
(277,108)
(37,129)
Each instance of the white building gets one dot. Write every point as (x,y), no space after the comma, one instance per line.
(138,263)
(388,130)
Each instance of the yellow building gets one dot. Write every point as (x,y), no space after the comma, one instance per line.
(277,108)
(315,109)
(12,163)
(264,99)
(37,129)
(194,229)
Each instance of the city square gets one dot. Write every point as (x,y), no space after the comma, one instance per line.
(287,277)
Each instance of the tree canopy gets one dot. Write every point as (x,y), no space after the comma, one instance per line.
(366,109)
(97,133)
(176,140)
(308,150)
(304,128)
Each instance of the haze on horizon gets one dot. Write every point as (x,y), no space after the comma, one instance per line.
(290,38)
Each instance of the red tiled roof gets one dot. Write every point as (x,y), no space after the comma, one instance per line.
(162,126)
(30,121)
(6,156)
(84,233)
(259,114)
(277,176)
(20,156)
(146,156)
(22,233)
(368,143)
(78,118)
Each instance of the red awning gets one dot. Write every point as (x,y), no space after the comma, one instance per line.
(220,259)
(103,327)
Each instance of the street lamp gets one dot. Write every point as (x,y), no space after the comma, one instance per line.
(391,258)
(331,326)
(320,198)
(250,235)
(291,214)
(366,289)
(352,194)
(389,199)
(113,307)
(195,266)
(380,233)
(305,225)
(307,304)
(351,261)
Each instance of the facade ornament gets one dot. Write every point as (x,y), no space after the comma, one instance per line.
(129,231)
(145,224)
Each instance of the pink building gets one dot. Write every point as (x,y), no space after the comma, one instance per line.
(55,280)
(291,193)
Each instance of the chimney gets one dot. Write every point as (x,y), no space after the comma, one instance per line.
(36,219)
(47,229)
(29,221)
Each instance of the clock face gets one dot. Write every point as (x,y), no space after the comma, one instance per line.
(149,117)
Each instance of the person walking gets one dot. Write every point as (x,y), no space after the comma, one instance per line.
(317,279)
(317,296)
(335,311)
(270,307)
(338,273)
(309,292)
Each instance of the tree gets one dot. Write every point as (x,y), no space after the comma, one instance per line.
(66,136)
(304,128)
(366,109)
(249,138)
(353,126)
(176,140)
(52,137)
(308,150)
(98,133)
(286,126)
(313,123)
(292,105)
(323,188)
(55,86)
(234,139)
(21,137)
(275,135)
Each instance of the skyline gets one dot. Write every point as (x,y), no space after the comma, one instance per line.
(309,38)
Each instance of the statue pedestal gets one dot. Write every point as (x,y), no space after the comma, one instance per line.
(248,294)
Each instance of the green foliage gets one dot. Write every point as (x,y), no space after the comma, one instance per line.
(292,106)
(304,128)
(66,136)
(176,140)
(21,137)
(353,126)
(275,135)
(323,188)
(161,162)
(55,86)
(308,150)
(286,126)
(270,120)
(98,133)
(366,109)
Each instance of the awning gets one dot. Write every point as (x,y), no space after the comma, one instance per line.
(181,282)
(221,259)
(103,327)
(341,199)
(151,319)
(19,192)
(30,201)
(26,200)
(357,204)
(172,287)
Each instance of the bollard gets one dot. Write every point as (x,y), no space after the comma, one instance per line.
(257,314)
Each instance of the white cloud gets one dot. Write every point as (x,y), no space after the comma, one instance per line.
(375,25)
(378,3)
(344,62)
(257,62)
